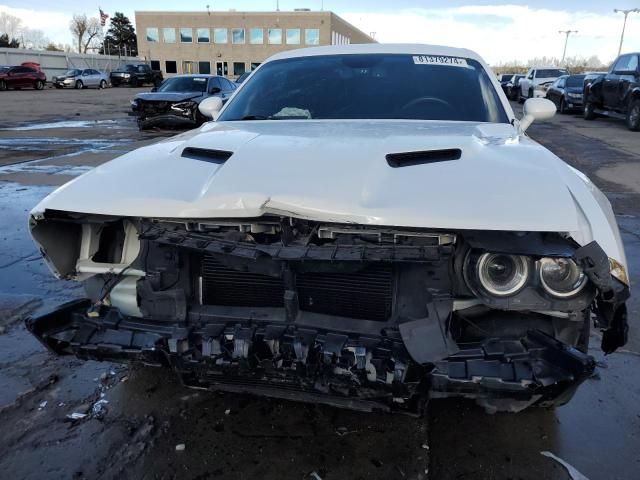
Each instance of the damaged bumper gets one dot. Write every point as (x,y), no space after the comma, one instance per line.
(300,363)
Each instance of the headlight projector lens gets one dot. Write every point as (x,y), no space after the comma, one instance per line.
(561,277)
(501,274)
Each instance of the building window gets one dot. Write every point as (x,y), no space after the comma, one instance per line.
(169,35)
(186,35)
(275,36)
(238,68)
(256,36)
(203,35)
(170,66)
(293,36)
(312,36)
(237,35)
(222,69)
(188,67)
(254,65)
(220,35)
(152,34)
(204,67)
(155,64)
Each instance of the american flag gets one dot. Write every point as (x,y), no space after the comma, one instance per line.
(103,17)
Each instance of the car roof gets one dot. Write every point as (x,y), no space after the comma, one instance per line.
(364,48)
(207,75)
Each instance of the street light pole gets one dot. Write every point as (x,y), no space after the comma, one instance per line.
(566,40)
(626,13)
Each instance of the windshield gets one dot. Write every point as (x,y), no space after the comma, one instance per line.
(551,73)
(575,81)
(72,73)
(184,84)
(371,86)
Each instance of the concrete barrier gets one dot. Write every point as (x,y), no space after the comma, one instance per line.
(57,63)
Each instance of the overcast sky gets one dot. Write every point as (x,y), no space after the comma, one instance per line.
(498,32)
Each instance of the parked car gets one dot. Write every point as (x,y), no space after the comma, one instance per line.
(135,75)
(299,245)
(511,87)
(22,76)
(81,78)
(175,102)
(566,92)
(616,94)
(537,80)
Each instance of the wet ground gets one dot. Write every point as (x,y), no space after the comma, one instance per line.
(140,423)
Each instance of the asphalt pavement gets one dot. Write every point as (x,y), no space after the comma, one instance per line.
(141,423)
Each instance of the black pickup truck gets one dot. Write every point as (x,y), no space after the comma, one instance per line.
(135,75)
(616,93)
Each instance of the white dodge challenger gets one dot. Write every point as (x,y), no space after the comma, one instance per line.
(366,226)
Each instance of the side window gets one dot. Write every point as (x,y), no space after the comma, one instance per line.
(228,84)
(621,64)
(531,74)
(632,66)
(214,83)
(561,82)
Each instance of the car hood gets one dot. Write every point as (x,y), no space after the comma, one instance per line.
(168,96)
(336,171)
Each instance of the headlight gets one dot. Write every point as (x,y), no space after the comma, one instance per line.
(561,277)
(126,75)
(575,95)
(501,274)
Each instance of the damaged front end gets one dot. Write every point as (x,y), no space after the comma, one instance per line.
(354,316)
(165,113)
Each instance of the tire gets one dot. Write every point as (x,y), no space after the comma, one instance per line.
(134,83)
(79,85)
(3,85)
(39,85)
(633,115)
(563,106)
(530,94)
(103,84)
(521,99)
(588,113)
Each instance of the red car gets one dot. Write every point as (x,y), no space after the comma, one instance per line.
(27,75)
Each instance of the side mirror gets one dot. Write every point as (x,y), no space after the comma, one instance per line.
(214,90)
(210,107)
(536,109)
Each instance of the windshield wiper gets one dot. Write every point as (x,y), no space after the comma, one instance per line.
(255,117)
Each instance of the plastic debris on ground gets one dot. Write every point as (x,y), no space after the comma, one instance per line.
(571,470)
(180,447)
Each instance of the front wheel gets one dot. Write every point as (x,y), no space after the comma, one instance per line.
(79,84)
(563,106)
(530,95)
(633,115)
(39,85)
(103,84)
(134,82)
(589,111)
(3,85)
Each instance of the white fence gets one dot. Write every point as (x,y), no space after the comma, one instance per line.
(57,63)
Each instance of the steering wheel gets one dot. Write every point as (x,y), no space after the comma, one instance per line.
(435,100)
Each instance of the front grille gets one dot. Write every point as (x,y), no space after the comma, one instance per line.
(367,294)
(153,107)
(224,286)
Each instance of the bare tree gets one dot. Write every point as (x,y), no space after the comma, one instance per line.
(78,26)
(10,24)
(33,38)
(93,34)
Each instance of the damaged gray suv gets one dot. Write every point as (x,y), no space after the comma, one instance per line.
(376,231)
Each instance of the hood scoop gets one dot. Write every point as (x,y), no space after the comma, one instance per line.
(206,155)
(410,159)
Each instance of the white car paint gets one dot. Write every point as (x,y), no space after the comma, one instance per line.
(532,80)
(335,171)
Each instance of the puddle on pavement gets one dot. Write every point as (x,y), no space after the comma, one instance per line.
(68,124)
(28,167)
(47,143)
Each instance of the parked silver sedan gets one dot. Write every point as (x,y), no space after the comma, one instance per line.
(82,78)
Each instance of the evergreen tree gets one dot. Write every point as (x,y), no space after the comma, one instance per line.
(5,42)
(120,38)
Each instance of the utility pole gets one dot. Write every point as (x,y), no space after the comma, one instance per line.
(566,40)
(277,5)
(626,13)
